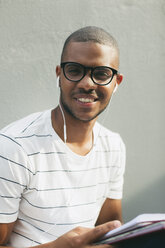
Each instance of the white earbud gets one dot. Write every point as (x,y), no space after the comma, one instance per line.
(115,89)
(57,82)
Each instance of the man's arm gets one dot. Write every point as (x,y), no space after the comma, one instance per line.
(111,210)
(80,237)
(5,231)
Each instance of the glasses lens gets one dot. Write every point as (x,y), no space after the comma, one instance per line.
(73,71)
(102,75)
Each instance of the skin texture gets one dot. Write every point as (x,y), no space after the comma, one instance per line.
(78,115)
(5,231)
(82,116)
(111,210)
(88,54)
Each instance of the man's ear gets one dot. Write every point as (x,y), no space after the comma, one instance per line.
(119,78)
(58,70)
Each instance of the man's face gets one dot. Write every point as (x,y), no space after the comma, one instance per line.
(85,100)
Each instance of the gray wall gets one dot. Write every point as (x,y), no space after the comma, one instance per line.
(31,36)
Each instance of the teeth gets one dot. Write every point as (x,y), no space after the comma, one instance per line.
(85,100)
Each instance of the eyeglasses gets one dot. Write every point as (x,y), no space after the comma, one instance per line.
(101,75)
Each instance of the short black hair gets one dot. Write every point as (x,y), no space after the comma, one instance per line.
(93,34)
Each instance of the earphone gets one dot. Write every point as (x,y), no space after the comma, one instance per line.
(63,116)
(71,196)
(58,85)
(115,89)
(58,82)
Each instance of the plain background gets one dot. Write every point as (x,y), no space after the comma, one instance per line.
(32,33)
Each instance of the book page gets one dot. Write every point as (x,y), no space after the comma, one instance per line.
(139,221)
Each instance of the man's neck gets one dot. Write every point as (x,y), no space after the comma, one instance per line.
(79,133)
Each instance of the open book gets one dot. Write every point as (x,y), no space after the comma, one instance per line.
(141,225)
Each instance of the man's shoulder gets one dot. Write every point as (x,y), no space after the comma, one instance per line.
(25,125)
(106,132)
(108,138)
(19,136)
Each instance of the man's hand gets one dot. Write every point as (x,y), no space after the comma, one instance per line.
(82,237)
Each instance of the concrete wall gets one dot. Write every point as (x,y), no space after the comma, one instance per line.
(32,33)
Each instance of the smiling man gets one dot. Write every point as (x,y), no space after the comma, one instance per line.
(60,168)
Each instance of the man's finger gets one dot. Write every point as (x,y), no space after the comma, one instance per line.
(99,231)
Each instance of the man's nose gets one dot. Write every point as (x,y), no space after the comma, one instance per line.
(86,82)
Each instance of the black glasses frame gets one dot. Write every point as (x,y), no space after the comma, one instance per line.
(85,69)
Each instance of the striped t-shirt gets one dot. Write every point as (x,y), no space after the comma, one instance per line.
(48,188)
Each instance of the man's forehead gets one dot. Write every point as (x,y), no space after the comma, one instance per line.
(76,47)
(73,44)
(92,52)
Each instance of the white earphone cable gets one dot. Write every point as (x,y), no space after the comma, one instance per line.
(70,197)
(63,116)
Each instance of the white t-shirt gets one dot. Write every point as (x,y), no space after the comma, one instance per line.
(48,188)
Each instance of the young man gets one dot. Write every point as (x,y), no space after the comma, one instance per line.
(61,169)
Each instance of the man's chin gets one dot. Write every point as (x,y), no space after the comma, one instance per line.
(85,118)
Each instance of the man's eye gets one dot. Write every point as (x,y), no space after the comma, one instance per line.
(102,74)
(74,71)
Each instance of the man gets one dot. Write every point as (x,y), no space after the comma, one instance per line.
(61,169)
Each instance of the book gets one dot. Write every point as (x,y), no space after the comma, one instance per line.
(141,225)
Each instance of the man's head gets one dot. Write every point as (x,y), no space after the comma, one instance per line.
(90,34)
(86,89)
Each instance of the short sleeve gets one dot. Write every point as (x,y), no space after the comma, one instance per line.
(117,170)
(14,177)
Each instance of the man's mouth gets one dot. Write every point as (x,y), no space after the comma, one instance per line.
(86,100)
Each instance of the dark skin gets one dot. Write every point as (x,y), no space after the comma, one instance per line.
(81,142)
(82,117)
